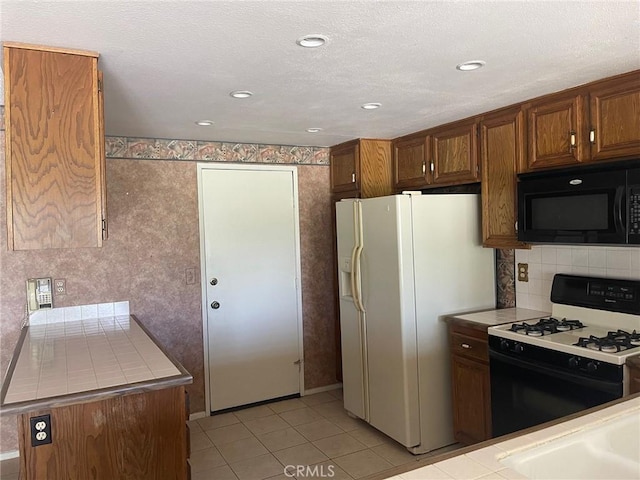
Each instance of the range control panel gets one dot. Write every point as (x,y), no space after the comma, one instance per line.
(614,292)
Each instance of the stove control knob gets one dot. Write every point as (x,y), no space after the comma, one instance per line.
(573,362)
(504,344)
(592,367)
(519,348)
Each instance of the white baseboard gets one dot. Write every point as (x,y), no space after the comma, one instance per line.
(197,415)
(326,388)
(8,455)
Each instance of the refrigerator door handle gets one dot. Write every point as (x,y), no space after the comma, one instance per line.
(358,265)
(354,253)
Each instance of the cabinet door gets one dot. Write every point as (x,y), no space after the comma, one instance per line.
(410,162)
(555,132)
(102,158)
(375,168)
(54,184)
(501,148)
(345,167)
(615,119)
(471,400)
(455,154)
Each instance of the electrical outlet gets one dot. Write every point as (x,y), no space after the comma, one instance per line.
(523,272)
(40,430)
(60,286)
(190,276)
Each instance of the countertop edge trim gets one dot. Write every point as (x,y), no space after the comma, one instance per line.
(12,364)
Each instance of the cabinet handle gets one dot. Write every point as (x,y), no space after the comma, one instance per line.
(592,136)
(465,345)
(572,140)
(424,167)
(431,166)
(353,177)
(515,226)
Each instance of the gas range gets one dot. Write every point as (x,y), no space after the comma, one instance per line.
(575,359)
(586,331)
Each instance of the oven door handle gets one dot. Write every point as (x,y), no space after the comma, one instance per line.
(600,385)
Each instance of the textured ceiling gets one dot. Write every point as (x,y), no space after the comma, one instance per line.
(170,63)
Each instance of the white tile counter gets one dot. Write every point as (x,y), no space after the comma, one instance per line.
(91,351)
(484,463)
(500,316)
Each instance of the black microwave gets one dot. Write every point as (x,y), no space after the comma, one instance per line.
(594,205)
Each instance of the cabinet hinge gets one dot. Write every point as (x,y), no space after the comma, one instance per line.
(104,229)
(99,85)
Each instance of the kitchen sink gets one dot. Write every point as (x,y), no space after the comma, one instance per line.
(608,450)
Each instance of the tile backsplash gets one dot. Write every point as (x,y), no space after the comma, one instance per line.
(546,260)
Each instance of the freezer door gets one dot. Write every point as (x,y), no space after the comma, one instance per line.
(351,321)
(389,299)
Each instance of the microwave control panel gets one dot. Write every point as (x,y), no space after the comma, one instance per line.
(634,210)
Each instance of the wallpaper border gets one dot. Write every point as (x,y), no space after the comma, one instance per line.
(198,150)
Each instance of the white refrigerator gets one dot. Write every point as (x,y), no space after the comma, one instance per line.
(404,262)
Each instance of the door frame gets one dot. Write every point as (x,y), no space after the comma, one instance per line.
(203,280)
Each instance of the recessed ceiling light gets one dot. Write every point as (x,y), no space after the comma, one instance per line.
(314,129)
(204,123)
(472,65)
(371,106)
(241,94)
(312,41)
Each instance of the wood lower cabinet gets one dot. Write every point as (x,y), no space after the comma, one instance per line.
(470,382)
(56,194)
(501,151)
(361,168)
(633,368)
(136,436)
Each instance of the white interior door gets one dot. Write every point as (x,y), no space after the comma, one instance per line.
(251,301)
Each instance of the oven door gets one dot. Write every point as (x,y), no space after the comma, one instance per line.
(524,394)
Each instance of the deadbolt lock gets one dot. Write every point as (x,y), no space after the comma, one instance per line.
(215,305)
(214,281)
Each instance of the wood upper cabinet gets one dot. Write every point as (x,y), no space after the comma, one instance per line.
(410,163)
(361,168)
(595,122)
(615,118)
(454,154)
(55,165)
(501,151)
(470,382)
(436,157)
(555,131)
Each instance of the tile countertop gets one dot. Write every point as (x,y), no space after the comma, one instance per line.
(482,462)
(80,354)
(504,315)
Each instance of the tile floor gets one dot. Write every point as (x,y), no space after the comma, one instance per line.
(258,443)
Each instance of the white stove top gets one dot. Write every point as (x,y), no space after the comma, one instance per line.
(597,323)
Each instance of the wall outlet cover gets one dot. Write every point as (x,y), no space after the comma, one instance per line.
(40,430)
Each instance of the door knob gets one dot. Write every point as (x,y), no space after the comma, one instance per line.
(215,305)
(214,281)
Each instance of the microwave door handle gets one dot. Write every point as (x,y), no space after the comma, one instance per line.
(620,210)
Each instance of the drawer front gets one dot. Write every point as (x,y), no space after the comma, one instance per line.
(469,347)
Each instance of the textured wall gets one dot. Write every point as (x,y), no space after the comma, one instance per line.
(153,238)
